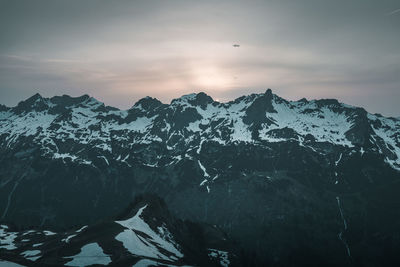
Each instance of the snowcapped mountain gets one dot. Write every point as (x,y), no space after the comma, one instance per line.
(191,120)
(306,182)
(146,235)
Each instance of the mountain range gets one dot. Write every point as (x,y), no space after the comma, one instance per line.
(291,183)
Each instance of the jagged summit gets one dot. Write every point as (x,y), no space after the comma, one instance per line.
(58,104)
(3,108)
(66,100)
(147,103)
(268,93)
(69,101)
(35,97)
(200,99)
(303,100)
(35,102)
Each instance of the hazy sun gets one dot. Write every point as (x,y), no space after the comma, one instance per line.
(211,77)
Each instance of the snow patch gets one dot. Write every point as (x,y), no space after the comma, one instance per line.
(7,239)
(339,159)
(81,229)
(203,169)
(49,233)
(68,238)
(31,254)
(9,264)
(90,254)
(105,159)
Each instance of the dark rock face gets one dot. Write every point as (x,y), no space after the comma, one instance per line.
(295,183)
(3,108)
(361,131)
(67,101)
(201,100)
(148,103)
(255,113)
(182,117)
(34,103)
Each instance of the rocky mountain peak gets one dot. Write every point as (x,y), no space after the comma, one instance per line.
(304,100)
(256,112)
(33,103)
(200,99)
(147,103)
(69,101)
(327,102)
(3,108)
(268,93)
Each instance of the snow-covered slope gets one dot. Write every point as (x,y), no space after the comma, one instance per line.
(141,240)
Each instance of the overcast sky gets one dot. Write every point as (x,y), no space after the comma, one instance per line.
(121,51)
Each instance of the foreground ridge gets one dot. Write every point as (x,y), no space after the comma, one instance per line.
(145,235)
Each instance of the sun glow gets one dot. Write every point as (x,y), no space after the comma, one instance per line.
(212,77)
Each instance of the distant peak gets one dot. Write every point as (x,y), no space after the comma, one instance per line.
(184,98)
(36,97)
(35,102)
(147,103)
(66,100)
(3,108)
(200,99)
(85,98)
(92,100)
(203,99)
(327,102)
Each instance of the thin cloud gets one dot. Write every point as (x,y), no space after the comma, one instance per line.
(18,57)
(393,12)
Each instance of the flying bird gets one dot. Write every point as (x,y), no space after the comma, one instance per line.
(236,45)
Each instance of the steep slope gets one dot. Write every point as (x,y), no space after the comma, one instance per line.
(145,235)
(292,181)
